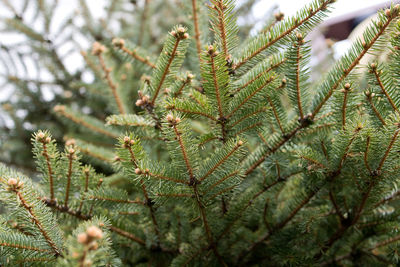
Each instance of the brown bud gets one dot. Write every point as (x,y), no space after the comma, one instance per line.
(240,143)
(169,117)
(118,42)
(139,102)
(98,48)
(82,238)
(347,86)
(94,232)
(177,120)
(388,13)
(48,140)
(71,151)
(127,139)
(70,142)
(138,171)
(12,182)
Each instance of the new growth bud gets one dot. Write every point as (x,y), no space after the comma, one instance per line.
(94,232)
(118,42)
(98,49)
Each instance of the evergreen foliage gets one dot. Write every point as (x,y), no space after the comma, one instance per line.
(243,161)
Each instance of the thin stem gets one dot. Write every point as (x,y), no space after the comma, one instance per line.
(127,235)
(260,75)
(366,155)
(392,141)
(82,122)
(194,112)
(275,114)
(135,55)
(369,98)
(220,162)
(219,7)
(141,202)
(206,226)
(36,221)
(166,71)
(185,157)
(70,160)
(378,79)
(50,171)
(269,80)
(344,106)
(196,29)
(216,86)
(298,81)
(112,85)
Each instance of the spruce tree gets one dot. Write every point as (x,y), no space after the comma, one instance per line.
(230,157)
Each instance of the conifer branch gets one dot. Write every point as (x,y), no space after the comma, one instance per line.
(386,242)
(129,201)
(128,235)
(392,141)
(5,244)
(369,96)
(120,43)
(62,110)
(247,116)
(219,6)
(220,162)
(216,85)
(61,208)
(181,109)
(221,181)
(323,6)
(262,73)
(86,173)
(269,80)
(184,154)
(283,141)
(44,141)
(71,153)
(206,226)
(35,220)
(356,61)
(196,29)
(384,91)
(300,41)
(166,71)
(257,124)
(366,155)
(344,106)
(275,114)
(98,50)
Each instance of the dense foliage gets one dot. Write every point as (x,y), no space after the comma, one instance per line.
(243,160)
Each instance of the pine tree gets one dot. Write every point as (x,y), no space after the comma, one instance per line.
(243,160)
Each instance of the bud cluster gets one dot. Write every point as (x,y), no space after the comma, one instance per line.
(180,33)
(14,184)
(128,142)
(172,120)
(98,49)
(138,171)
(143,100)
(279,16)
(211,50)
(89,238)
(43,137)
(118,42)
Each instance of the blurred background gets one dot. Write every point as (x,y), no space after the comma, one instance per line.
(45,58)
